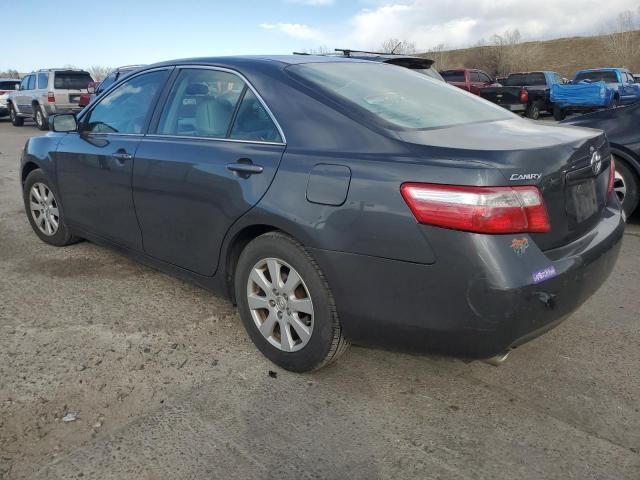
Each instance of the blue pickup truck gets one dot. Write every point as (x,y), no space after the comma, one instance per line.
(593,89)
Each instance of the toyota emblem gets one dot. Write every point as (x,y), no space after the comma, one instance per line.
(596,163)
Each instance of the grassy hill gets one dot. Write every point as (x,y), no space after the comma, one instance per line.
(563,55)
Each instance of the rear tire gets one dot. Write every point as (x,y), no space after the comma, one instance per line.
(533,110)
(626,186)
(270,307)
(559,113)
(41,120)
(16,121)
(44,210)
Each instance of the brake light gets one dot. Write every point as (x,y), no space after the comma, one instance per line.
(2,92)
(51,98)
(478,209)
(612,176)
(524,96)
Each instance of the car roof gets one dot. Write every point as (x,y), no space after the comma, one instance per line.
(244,60)
(9,79)
(603,69)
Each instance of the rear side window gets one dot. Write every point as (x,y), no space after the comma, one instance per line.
(127,107)
(453,75)
(71,80)
(607,77)
(515,80)
(533,79)
(9,85)
(201,104)
(43,80)
(253,122)
(395,98)
(31,82)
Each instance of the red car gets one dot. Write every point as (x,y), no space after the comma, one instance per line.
(468,79)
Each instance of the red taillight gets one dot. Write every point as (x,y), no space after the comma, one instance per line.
(2,92)
(51,98)
(478,209)
(612,176)
(524,96)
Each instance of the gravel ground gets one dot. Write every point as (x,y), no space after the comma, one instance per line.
(162,382)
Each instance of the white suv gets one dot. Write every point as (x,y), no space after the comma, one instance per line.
(7,85)
(45,93)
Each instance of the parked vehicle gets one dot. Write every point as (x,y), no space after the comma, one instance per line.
(621,126)
(95,89)
(468,79)
(46,92)
(636,77)
(7,85)
(526,92)
(335,210)
(593,89)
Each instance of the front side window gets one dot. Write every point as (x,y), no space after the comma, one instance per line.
(31,82)
(396,97)
(71,80)
(24,83)
(253,122)
(126,109)
(201,104)
(43,80)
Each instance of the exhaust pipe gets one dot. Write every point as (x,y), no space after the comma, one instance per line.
(497,360)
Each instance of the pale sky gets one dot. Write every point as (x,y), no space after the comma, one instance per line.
(120,32)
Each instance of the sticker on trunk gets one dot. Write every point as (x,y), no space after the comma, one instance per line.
(544,274)
(520,245)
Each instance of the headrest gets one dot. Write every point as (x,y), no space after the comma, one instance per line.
(197,89)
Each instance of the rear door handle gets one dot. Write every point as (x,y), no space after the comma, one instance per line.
(245,169)
(122,156)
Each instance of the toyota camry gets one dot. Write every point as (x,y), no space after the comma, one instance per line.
(336,201)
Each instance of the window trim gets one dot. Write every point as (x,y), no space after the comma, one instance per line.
(248,85)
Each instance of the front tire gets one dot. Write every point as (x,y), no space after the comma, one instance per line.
(286,305)
(16,121)
(44,211)
(626,186)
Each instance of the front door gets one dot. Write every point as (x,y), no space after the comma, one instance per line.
(95,164)
(212,156)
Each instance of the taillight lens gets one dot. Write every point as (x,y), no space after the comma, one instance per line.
(612,176)
(524,96)
(478,209)
(51,98)
(2,92)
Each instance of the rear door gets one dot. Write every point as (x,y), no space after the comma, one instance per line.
(212,156)
(25,96)
(68,85)
(94,166)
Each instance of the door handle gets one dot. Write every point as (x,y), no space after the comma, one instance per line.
(122,156)
(244,170)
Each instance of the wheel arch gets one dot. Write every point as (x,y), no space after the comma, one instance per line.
(236,244)
(628,156)
(27,168)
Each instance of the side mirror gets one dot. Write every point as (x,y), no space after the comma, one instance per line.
(63,123)
(91,88)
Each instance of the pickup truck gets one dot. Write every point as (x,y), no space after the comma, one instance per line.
(468,79)
(526,92)
(595,88)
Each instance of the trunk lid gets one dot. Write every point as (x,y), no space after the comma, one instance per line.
(570,166)
(69,85)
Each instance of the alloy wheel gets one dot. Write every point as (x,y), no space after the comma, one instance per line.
(44,209)
(39,118)
(280,304)
(619,186)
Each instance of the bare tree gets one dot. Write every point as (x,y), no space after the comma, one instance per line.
(10,74)
(440,55)
(320,50)
(619,39)
(504,53)
(99,72)
(394,45)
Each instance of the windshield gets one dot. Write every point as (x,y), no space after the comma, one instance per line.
(607,77)
(72,80)
(399,97)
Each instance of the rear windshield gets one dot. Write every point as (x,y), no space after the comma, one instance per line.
(72,80)
(514,80)
(397,97)
(9,84)
(607,77)
(453,76)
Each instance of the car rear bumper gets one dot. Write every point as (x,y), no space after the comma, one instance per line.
(56,109)
(514,107)
(479,299)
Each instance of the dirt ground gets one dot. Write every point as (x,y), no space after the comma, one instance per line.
(161,381)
